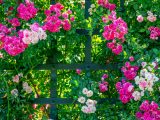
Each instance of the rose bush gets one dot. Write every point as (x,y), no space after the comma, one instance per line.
(33,33)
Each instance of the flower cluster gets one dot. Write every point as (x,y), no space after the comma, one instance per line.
(90,106)
(14,22)
(92,9)
(103,85)
(145,80)
(3,31)
(106,4)
(20,40)
(27,11)
(125,89)
(129,71)
(116,30)
(151,17)
(27,88)
(16,78)
(14,92)
(116,48)
(34,35)
(53,22)
(87,92)
(154,32)
(14,45)
(137,95)
(149,111)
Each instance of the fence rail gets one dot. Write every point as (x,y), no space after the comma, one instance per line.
(87,65)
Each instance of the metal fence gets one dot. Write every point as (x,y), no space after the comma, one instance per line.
(87,65)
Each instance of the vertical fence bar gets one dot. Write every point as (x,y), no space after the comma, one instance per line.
(53,94)
(122,5)
(87,6)
(88,49)
(52,1)
(88,42)
(53,89)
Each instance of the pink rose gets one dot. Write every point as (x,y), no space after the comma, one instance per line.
(35,27)
(140,18)
(103,87)
(131,58)
(78,71)
(72,19)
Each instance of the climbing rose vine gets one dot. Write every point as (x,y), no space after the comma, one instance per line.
(16,43)
(115,32)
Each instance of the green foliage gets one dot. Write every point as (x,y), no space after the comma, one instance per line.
(69,48)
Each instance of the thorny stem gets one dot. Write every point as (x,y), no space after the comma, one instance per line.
(7,99)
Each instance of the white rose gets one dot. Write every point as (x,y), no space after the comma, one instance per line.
(95,102)
(143,64)
(141,79)
(150,68)
(137,79)
(148,76)
(149,13)
(154,64)
(136,95)
(84,109)
(42,34)
(90,10)
(85,91)
(25,85)
(142,93)
(150,89)
(28,89)
(20,74)
(34,37)
(156,79)
(93,108)
(90,13)
(93,6)
(149,83)
(143,72)
(89,93)
(90,102)
(14,92)
(81,100)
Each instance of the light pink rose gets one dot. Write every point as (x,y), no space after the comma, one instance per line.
(140,18)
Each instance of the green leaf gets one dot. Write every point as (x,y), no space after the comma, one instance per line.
(155,51)
(142,30)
